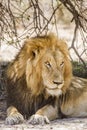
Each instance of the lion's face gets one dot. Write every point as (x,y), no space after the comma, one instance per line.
(53,71)
(48,68)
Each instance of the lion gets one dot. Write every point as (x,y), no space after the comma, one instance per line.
(40,84)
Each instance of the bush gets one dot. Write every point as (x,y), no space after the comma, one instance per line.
(79,69)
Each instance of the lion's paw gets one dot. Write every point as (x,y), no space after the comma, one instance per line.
(38,119)
(14,119)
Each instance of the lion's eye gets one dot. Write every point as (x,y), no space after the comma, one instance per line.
(47,64)
(62,64)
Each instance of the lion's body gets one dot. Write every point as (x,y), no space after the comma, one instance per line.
(40,82)
(74,102)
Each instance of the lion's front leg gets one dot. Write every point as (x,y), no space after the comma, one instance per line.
(13,116)
(44,115)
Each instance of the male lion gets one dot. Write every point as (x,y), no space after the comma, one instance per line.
(40,83)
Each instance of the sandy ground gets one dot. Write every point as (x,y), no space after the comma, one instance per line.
(63,124)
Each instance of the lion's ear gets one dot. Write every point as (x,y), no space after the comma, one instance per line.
(35,52)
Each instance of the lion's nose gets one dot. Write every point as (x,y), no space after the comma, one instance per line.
(57,83)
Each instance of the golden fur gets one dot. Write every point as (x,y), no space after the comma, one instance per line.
(40,81)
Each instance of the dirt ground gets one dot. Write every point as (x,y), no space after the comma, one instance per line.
(63,124)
